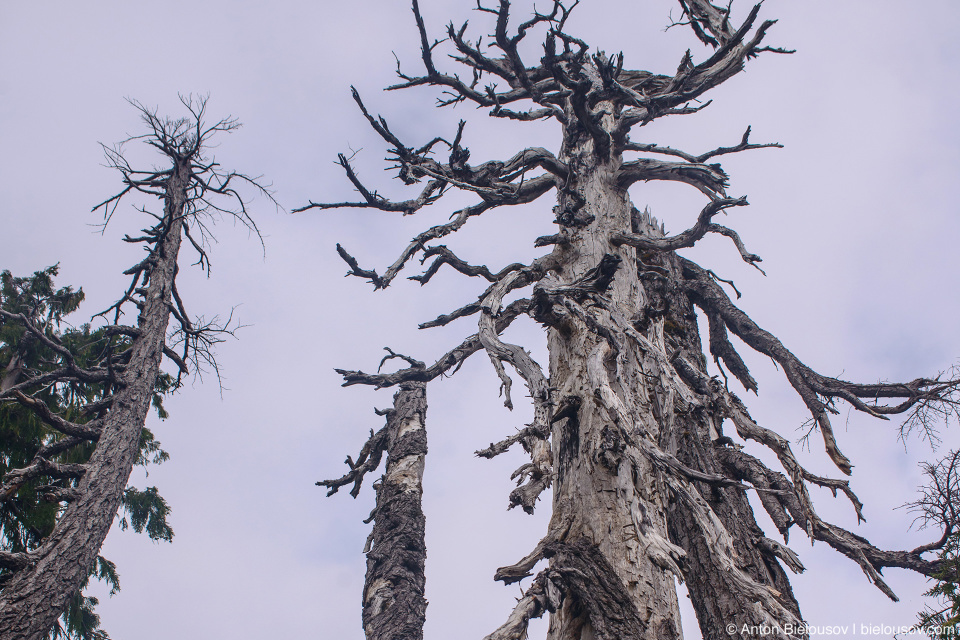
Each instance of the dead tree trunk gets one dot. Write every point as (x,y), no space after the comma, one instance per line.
(34,599)
(628,425)
(696,439)
(394,607)
(37,584)
(610,500)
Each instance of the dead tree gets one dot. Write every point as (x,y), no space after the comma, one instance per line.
(638,441)
(194,190)
(393,595)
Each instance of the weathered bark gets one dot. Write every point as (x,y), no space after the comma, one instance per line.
(610,503)
(33,599)
(597,602)
(611,491)
(394,607)
(696,438)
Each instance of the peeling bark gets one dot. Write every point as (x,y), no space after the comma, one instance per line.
(719,596)
(612,504)
(394,607)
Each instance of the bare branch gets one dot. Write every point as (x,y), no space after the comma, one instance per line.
(450,360)
(816,390)
(776,550)
(539,473)
(430,194)
(743,146)
(721,348)
(702,158)
(709,179)
(557,532)
(367,461)
(939,501)
(686,238)
(445,256)
(870,558)
(88,431)
(355,269)
(535,602)
(750,258)
(40,466)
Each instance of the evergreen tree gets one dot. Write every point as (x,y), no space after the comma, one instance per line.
(29,514)
(939,506)
(104,380)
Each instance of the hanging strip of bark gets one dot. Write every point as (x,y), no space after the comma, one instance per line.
(394,607)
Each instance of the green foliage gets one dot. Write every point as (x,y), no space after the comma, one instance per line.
(80,620)
(942,622)
(150,451)
(36,298)
(27,518)
(147,511)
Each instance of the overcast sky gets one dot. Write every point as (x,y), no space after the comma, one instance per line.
(855,219)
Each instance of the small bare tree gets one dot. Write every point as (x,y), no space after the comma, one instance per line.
(637,440)
(939,507)
(194,190)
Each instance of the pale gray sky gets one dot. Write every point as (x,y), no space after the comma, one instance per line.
(855,219)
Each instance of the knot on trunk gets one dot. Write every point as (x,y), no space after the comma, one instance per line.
(611,448)
(550,299)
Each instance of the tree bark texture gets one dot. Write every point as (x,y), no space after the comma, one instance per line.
(31,602)
(718,594)
(394,606)
(609,503)
(607,490)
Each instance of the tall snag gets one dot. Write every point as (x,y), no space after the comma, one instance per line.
(394,605)
(37,583)
(628,428)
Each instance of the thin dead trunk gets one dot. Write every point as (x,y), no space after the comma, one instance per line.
(394,606)
(124,375)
